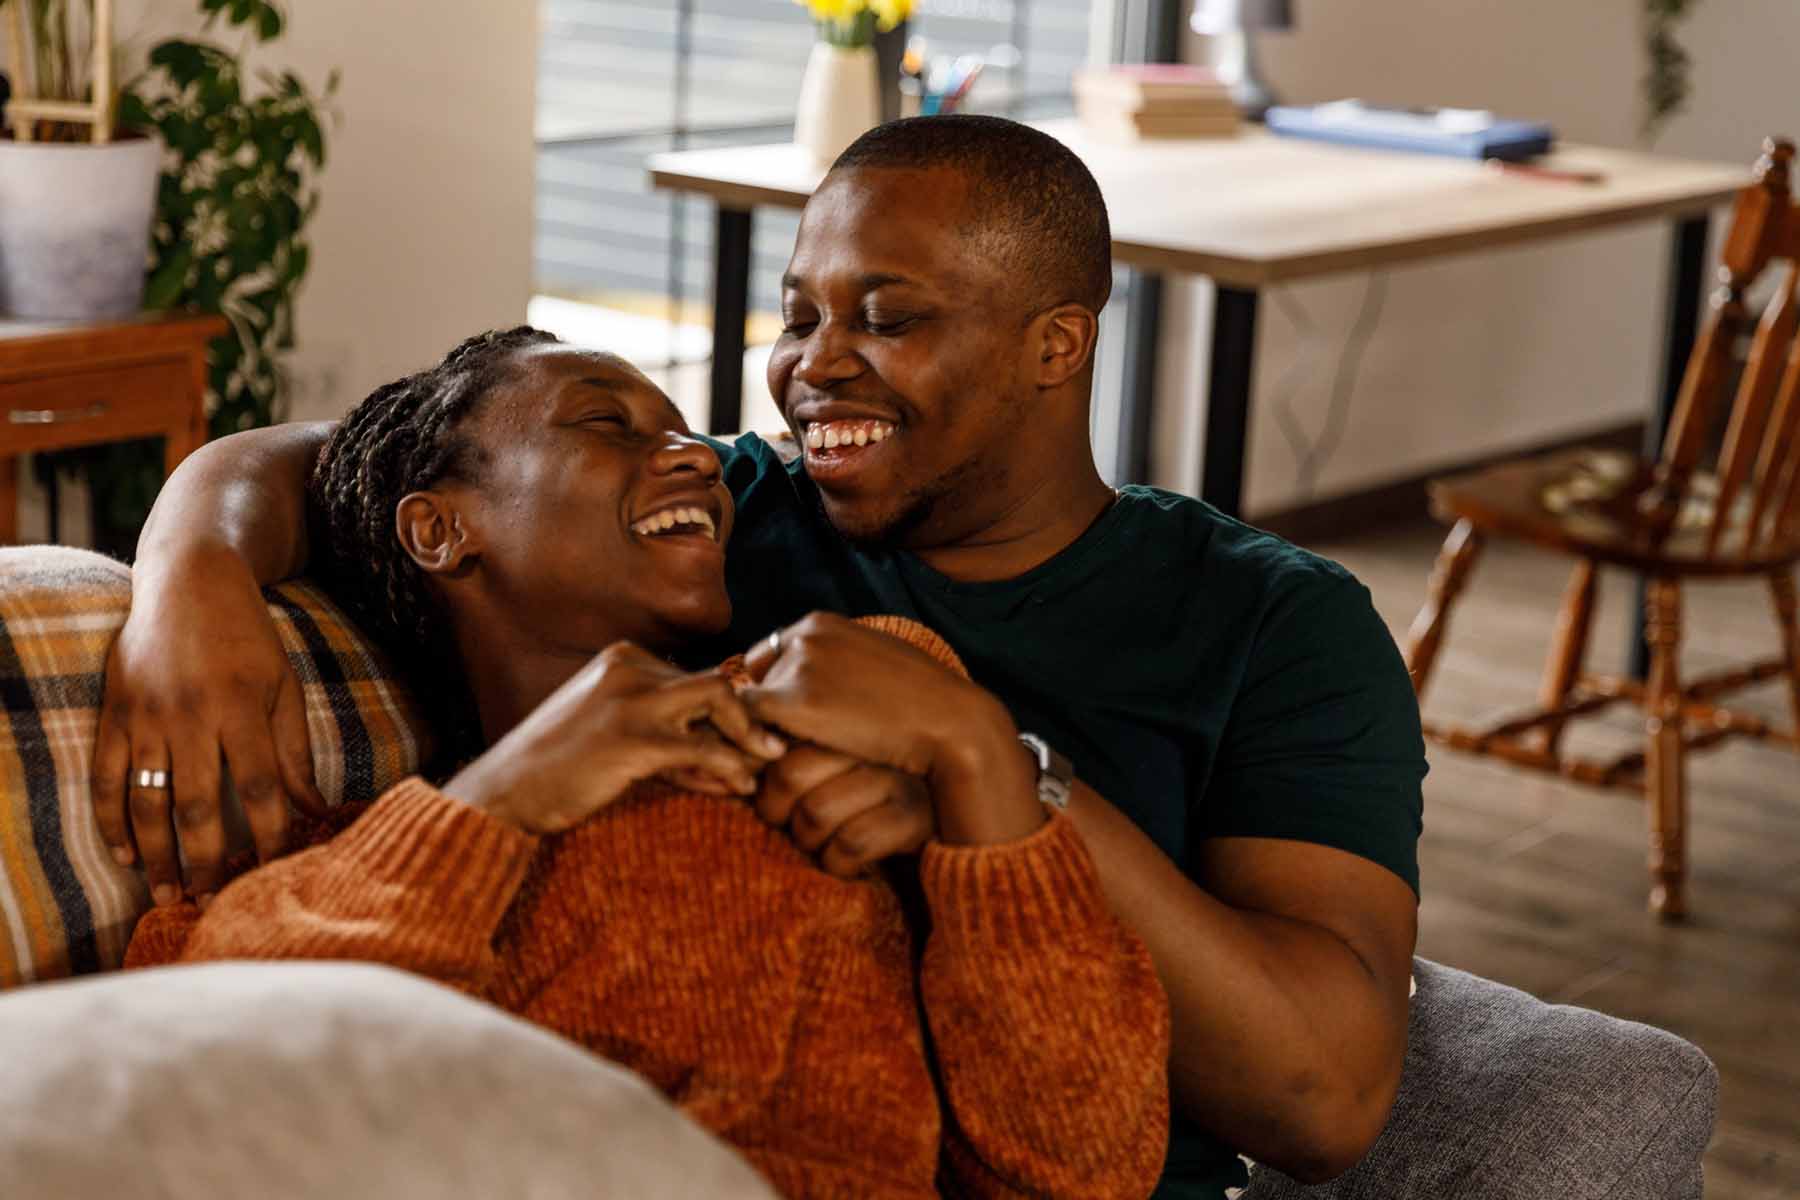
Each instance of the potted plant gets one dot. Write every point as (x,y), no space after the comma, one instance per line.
(840,93)
(225,232)
(75,200)
(1666,83)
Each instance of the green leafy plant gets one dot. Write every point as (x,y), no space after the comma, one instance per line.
(238,188)
(1667,82)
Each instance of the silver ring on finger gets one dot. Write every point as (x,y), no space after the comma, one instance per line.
(150,780)
(775,643)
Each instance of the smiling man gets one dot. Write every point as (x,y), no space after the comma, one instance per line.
(1224,716)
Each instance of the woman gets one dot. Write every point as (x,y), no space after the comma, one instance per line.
(527,527)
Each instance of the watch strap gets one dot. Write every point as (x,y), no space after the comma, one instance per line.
(1056,774)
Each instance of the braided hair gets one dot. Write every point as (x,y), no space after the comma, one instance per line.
(405,437)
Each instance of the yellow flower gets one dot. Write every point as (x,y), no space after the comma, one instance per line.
(839,11)
(889,13)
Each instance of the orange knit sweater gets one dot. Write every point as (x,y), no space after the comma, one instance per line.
(780,1007)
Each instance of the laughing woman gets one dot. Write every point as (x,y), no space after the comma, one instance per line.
(527,527)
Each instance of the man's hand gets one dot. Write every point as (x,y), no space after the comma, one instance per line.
(872,697)
(848,813)
(198,676)
(625,717)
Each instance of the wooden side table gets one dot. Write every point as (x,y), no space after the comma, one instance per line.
(68,384)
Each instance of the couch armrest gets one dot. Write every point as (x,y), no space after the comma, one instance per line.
(1505,1096)
(300,1081)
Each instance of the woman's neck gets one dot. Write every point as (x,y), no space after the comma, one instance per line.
(509,672)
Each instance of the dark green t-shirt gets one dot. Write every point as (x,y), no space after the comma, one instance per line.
(1208,679)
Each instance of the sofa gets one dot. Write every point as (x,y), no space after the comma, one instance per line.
(1502,1095)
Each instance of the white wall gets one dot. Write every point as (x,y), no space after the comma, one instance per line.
(423,235)
(1481,354)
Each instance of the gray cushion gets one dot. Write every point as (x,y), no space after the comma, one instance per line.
(302,1081)
(1506,1096)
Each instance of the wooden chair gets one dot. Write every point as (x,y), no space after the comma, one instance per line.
(1671,520)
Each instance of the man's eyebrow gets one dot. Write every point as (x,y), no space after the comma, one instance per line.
(867,283)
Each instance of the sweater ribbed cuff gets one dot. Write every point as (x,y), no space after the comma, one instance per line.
(1027,893)
(452,861)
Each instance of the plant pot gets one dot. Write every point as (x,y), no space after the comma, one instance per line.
(75,227)
(840,99)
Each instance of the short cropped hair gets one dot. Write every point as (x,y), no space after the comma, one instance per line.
(1032,200)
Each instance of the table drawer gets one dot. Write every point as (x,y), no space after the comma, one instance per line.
(85,407)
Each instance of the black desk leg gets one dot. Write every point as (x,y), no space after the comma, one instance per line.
(1137,399)
(1687,262)
(731,305)
(1228,399)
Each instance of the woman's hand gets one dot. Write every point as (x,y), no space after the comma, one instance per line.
(198,676)
(625,717)
(872,697)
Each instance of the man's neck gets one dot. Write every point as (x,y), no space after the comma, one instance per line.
(1036,528)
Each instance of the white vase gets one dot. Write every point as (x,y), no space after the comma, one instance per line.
(840,99)
(75,227)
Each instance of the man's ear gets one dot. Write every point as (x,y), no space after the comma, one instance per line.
(435,533)
(1065,343)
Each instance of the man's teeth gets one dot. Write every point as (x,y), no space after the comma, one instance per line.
(669,518)
(829,435)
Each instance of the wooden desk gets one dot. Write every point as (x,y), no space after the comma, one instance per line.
(1251,211)
(64,385)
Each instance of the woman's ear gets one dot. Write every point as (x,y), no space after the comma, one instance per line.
(435,533)
(1065,343)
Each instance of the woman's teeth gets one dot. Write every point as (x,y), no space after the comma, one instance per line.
(829,435)
(690,520)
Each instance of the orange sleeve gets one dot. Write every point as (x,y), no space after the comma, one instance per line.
(162,933)
(1051,1028)
(420,882)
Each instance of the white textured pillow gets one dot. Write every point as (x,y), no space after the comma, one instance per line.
(301,1081)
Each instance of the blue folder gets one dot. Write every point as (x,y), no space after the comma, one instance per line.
(1456,133)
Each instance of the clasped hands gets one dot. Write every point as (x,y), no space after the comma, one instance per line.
(859,745)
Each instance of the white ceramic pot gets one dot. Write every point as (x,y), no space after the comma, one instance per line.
(840,99)
(75,227)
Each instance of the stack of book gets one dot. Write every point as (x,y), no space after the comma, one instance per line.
(1154,100)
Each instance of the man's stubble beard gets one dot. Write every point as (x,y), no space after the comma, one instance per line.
(917,508)
(920,505)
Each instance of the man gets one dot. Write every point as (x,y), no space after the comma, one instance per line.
(1245,746)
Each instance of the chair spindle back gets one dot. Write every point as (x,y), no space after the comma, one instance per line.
(1758,468)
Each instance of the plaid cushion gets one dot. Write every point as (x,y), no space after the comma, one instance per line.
(65,907)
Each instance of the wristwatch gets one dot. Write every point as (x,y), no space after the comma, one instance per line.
(1056,774)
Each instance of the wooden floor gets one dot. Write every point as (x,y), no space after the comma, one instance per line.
(1541,884)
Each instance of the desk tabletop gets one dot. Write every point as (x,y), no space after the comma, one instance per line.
(1258,208)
